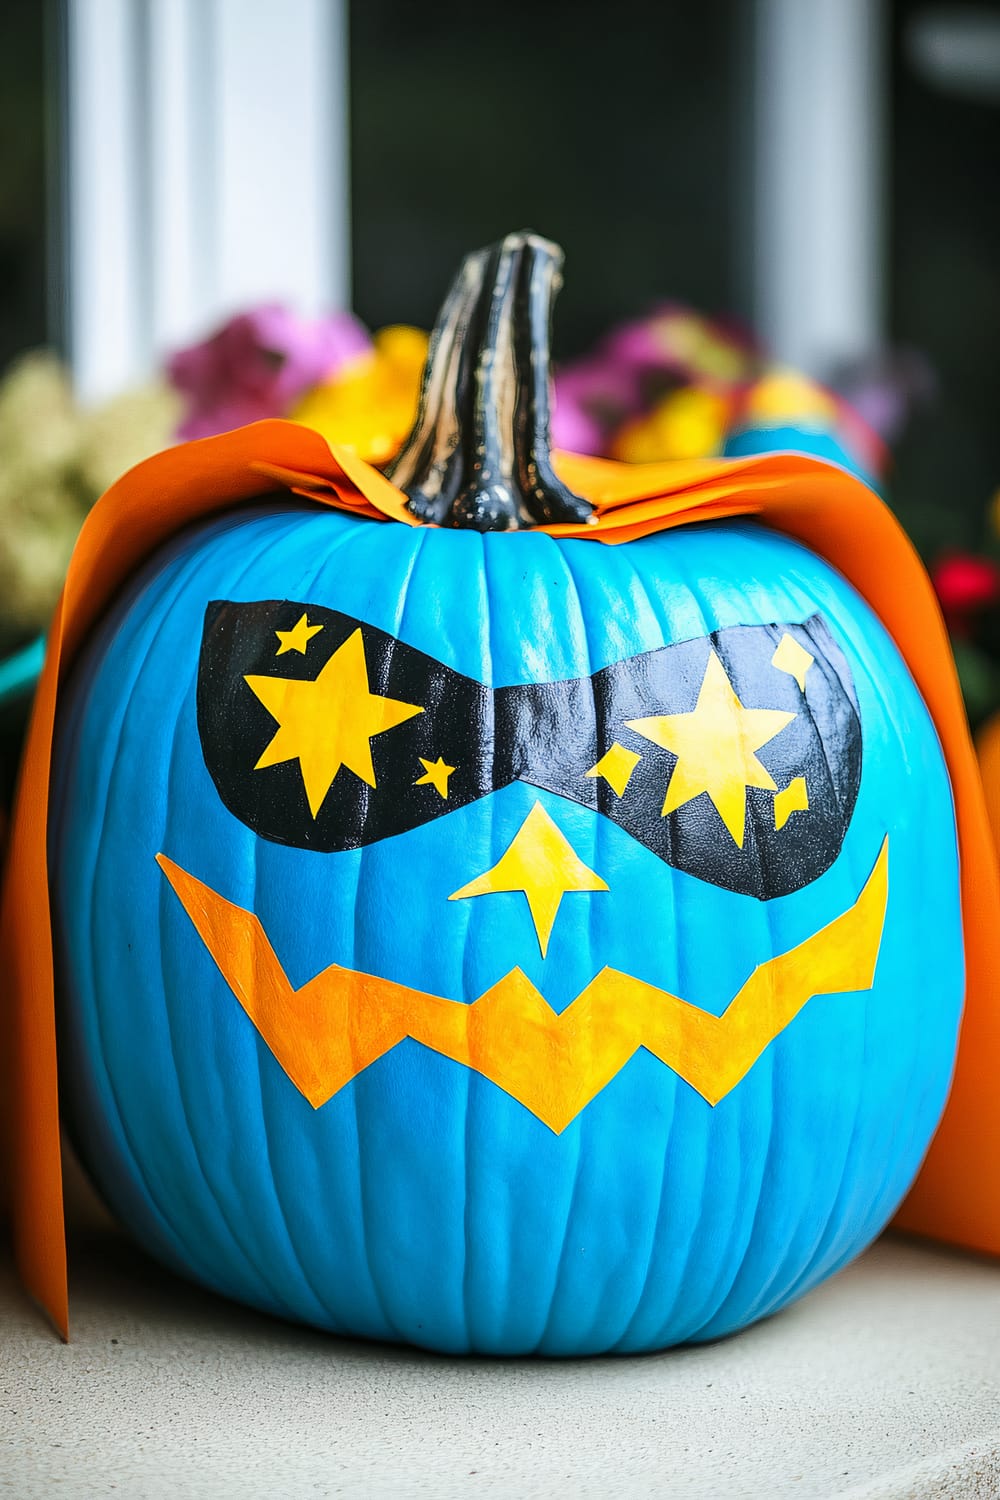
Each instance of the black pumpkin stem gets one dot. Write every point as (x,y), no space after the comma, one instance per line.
(479,452)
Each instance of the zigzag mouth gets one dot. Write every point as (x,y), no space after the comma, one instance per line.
(340,1022)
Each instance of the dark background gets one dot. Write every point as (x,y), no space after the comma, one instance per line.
(622,131)
(614,129)
(944,292)
(24,100)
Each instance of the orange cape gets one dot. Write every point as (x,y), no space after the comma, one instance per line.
(825,508)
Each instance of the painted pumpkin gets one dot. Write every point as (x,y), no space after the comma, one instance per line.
(480,936)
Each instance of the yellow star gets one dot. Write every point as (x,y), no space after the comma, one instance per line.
(436,775)
(298,638)
(328,722)
(541,862)
(715,746)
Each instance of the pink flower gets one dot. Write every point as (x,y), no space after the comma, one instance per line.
(258,364)
(592,397)
(634,367)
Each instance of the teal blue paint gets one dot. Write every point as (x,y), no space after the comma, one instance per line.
(19,672)
(788,437)
(421,1202)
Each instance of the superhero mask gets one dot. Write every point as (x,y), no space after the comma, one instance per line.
(501,942)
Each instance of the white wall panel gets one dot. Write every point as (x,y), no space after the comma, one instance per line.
(207,167)
(820,86)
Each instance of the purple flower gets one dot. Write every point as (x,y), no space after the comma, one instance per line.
(258,364)
(887,389)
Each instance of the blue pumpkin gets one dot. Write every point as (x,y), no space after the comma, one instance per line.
(633,807)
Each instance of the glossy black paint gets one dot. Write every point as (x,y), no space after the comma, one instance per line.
(546,734)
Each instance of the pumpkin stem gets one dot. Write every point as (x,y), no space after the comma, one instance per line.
(479,452)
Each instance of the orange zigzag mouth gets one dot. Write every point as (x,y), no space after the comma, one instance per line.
(324,1034)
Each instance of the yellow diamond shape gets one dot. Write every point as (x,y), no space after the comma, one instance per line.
(792,658)
(615,767)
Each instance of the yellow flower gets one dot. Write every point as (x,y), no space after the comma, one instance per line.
(688,423)
(784,396)
(370,405)
(693,342)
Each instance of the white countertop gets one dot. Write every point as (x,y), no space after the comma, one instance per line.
(884,1384)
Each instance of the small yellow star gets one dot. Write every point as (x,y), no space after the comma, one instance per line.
(541,862)
(436,775)
(328,722)
(298,638)
(715,745)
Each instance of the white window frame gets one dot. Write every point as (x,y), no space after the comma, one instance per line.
(821,106)
(207,169)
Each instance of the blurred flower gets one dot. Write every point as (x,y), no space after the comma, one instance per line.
(619,400)
(687,423)
(781,396)
(592,397)
(372,404)
(55,460)
(966,586)
(258,364)
(120,433)
(41,507)
(886,389)
(681,342)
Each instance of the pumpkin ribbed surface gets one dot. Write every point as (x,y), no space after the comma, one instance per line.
(423,1202)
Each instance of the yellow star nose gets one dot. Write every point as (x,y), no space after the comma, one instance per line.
(542,863)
